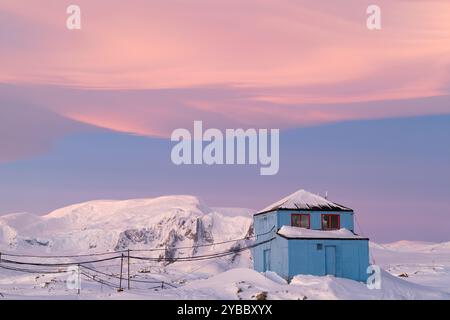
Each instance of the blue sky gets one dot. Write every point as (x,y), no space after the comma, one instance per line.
(395,173)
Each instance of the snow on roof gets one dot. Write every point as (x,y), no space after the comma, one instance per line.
(297,232)
(304,200)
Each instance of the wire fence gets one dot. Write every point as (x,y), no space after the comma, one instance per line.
(90,268)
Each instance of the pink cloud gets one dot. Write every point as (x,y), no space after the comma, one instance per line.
(146,67)
(157,112)
(160,44)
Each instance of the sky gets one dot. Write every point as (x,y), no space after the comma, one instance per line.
(364,115)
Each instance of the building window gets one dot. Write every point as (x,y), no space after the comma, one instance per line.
(300,220)
(331,222)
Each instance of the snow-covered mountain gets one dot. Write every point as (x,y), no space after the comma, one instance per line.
(108,225)
(418,246)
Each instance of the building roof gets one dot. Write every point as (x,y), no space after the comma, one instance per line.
(302,233)
(304,200)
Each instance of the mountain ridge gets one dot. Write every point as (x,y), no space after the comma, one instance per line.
(108,225)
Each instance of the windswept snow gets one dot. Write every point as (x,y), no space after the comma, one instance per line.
(304,200)
(391,288)
(296,232)
(421,246)
(416,264)
(234,284)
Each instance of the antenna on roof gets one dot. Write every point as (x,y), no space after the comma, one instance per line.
(326,195)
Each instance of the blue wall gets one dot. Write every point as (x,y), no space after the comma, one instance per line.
(352,258)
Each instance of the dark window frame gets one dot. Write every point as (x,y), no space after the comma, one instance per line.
(332,214)
(299,215)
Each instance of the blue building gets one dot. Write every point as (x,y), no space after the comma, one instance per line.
(311,235)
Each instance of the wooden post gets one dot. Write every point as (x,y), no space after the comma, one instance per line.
(128,269)
(79,280)
(121,269)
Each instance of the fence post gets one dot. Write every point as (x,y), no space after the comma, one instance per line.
(79,280)
(128,269)
(121,269)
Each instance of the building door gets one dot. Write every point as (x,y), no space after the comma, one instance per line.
(266,254)
(330,260)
